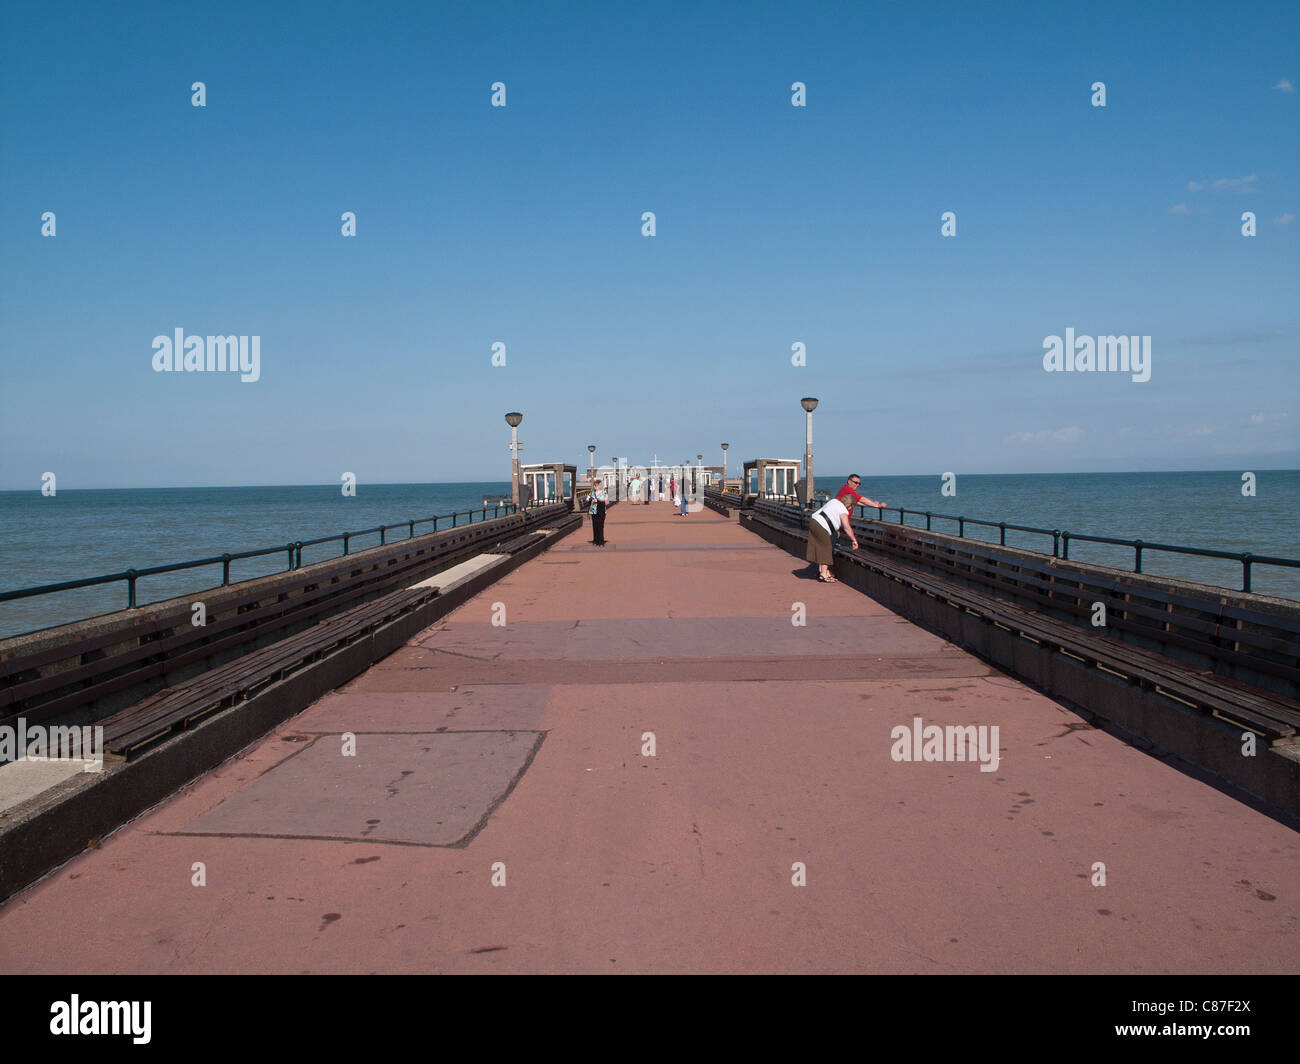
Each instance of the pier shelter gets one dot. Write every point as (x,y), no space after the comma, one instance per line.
(764,477)
(549,482)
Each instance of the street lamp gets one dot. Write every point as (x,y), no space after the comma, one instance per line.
(809,404)
(724,465)
(513,419)
(699,476)
(591,469)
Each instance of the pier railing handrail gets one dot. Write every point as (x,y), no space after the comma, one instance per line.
(293,550)
(1061,539)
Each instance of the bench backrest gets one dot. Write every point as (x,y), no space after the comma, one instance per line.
(78,673)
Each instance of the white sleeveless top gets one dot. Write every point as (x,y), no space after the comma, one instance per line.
(830,515)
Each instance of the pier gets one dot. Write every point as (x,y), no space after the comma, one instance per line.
(676,754)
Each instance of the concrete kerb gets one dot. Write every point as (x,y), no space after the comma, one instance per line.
(39,835)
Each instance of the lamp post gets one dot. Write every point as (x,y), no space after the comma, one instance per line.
(699,475)
(724,465)
(809,404)
(513,419)
(591,468)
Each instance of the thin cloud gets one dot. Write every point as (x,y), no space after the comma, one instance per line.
(1284,86)
(1068,434)
(1267,419)
(1285,219)
(1233,339)
(1180,208)
(1249,183)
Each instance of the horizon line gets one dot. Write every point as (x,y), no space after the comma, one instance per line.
(458,483)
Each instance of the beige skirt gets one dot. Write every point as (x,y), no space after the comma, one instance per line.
(820,551)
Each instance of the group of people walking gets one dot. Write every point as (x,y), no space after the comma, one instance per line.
(652,487)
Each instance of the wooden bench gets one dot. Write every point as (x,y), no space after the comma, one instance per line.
(1190,626)
(131,654)
(716,502)
(134,729)
(176,708)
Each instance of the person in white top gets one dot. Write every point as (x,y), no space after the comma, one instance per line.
(821,528)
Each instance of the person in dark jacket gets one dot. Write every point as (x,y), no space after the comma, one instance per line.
(596,508)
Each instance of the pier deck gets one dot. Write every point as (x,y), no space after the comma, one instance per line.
(478,743)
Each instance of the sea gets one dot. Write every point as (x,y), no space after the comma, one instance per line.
(84,533)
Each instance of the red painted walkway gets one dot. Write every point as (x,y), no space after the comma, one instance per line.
(773,747)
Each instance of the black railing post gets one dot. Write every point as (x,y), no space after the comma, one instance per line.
(412,524)
(1245,571)
(225,570)
(288,549)
(435,524)
(298,555)
(383,534)
(927,520)
(1056,543)
(130,589)
(453,519)
(1137,558)
(1065,546)
(1003,526)
(346,536)
(961,528)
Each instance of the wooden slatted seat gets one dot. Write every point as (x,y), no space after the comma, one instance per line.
(132,729)
(51,683)
(1146,613)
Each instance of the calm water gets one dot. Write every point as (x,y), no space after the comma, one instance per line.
(77,534)
(89,533)
(1183,509)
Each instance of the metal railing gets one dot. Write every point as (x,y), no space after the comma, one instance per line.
(292,551)
(1061,539)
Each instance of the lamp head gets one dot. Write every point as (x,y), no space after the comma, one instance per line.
(513,419)
(808,403)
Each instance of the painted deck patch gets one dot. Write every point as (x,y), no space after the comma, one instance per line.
(419,789)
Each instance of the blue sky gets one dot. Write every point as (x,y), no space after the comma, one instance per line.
(522,224)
